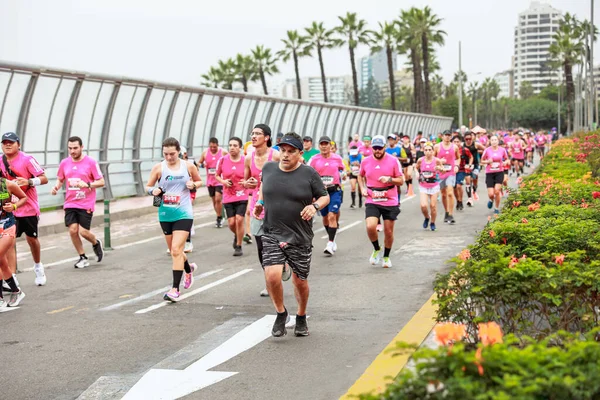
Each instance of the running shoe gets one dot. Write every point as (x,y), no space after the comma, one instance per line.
(99,250)
(375,257)
(264,293)
(334,246)
(219,223)
(426,223)
(470,202)
(188,247)
(234,242)
(447,218)
(279,325)
(379,227)
(247,239)
(301,328)
(82,263)
(387,263)
(496,211)
(352,206)
(3,303)
(286,274)
(329,249)
(490,204)
(475,196)
(40,276)
(168,251)
(238,251)
(16,298)
(173,297)
(188,279)
(451,220)
(432,226)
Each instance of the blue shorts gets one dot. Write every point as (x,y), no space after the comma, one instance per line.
(335,202)
(460,178)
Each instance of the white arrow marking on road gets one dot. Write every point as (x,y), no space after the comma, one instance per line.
(7,309)
(344,228)
(166,384)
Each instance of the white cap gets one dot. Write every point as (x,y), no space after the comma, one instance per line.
(182,150)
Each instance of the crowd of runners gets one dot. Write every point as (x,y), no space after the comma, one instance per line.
(270,190)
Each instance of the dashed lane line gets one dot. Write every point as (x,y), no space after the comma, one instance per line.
(344,228)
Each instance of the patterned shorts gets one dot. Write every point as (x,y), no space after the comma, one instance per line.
(298,257)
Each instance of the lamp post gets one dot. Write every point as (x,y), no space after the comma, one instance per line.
(460,88)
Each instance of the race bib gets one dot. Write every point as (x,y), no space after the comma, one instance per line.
(171,200)
(73,184)
(355,169)
(80,195)
(353,152)
(495,166)
(380,195)
(447,167)
(427,174)
(240,193)
(327,180)
(212,171)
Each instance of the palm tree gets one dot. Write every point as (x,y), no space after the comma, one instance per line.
(228,73)
(295,47)
(426,28)
(320,38)
(265,64)
(385,38)
(565,51)
(213,78)
(437,87)
(353,32)
(472,91)
(245,70)
(409,42)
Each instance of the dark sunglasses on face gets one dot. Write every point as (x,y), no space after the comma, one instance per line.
(377,148)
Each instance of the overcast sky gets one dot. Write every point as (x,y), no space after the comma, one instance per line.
(178,40)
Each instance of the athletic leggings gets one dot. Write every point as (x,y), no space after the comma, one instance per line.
(259,247)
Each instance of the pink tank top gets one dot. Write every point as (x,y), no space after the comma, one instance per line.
(448,157)
(517,150)
(256,173)
(428,173)
(233,170)
(497,157)
(210,161)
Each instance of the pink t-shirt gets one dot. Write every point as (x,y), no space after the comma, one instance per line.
(73,172)
(497,156)
(228,169)
(328,168)
(540,140)
(25,166)
(210,161)
(366,151)
(448,157)
(381,194)
(518,151)
(483,140)
(356,143)
(428,173)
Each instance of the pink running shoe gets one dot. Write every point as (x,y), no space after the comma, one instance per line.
(188,280)
(379,227)
(173,297)
(475,196)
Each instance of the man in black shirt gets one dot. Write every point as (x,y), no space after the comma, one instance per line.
(288,190)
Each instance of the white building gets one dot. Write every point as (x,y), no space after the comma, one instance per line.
(533,36)
(312,88)
(505,82)
(375,66)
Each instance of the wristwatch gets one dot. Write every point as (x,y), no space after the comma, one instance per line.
(316,206)
(89,185)
(30,182)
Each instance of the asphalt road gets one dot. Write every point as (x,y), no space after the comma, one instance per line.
(94,333)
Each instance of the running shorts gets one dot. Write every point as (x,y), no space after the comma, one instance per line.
(389,213)
(335,202)
(298,257)
(78,216)
(460,178)
(430,191)
(27,225)
(214,189)
(493,178)
(450,181)
(180,225)
(236,208)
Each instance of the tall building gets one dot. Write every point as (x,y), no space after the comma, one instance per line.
(375,66)
(401,78)
(312,88)
(533,36)
(505,82)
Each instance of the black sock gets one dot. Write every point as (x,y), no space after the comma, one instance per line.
(468,189)
(376,245)
(1,297)
(474,188)
(186,267)
(386,252)
(177,278)
(332,232)
(83,256)
(283,313)
(12,284)
(353,196)
(189,239)
(327,229)
(300,317)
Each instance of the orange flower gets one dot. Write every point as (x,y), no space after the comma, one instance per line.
(516,203)
(464,255)
(559,259)
(478,359)
(489,333)
(534,206)
(504,240)
(524,220)
(449,332)
(513,261)
(492,234)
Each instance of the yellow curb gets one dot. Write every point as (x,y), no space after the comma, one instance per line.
(386,366)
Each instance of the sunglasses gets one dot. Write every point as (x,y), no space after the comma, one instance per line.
(377,148)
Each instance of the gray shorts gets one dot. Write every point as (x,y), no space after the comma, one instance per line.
(450,181)
(256,226)
(298,257)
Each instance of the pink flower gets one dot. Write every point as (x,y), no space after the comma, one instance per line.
(524,220)
(559,259)
(596,195)
(492,234)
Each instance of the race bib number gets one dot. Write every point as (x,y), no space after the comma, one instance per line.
(427,174)
(80,195)
(353,152)
(447,167)
(240,193)
(171,200)
(495,166)
(380,196)
(212,171)
(355,169)
(327,180)
(73,184)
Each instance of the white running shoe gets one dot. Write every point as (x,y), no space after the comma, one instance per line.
(40,276)
(264,293)
(82,263)
(3,304)
(387,263)
(16,298)
(334,246)
(379,227)
(168,251)
(189,247)
(375,257)
(192,231)
(329,249)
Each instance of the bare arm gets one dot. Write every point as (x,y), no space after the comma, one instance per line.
(14,190)
(154,176)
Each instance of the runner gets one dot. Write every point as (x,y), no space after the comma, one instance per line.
(83,176)
(328,165)
(354,142)
(529,146)
(516,150)
(417,142)
(494,158)
(472,179)
(253,164)
(9,191)
(464,171)
(289,189)
(448,153)
(210,157)
(309,151)
(428,167)
(27,173)
(366,150)
(355,158)
(189,246)
(230,173)
(407,154)
(172,196)
(540,143)
(379,174)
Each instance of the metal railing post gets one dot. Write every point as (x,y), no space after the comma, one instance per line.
(107,244)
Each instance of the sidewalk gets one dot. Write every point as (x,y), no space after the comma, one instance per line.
(130,207)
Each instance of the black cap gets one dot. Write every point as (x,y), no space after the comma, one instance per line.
(11,137)
(279,135)
(307,138)
(292,141)
(447,132)
(325,139)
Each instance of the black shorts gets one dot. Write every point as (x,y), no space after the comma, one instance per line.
(355,177)
(493,178)
(27,225)
(78,216)
(181,225)
(298,257)
(214,189)
(389,213)
(236,208)
(406,165)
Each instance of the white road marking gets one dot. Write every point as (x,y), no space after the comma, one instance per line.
(196,291)
(154,293)
(28,254)
(407,198)
(344,228)
(7,309)
(321,229)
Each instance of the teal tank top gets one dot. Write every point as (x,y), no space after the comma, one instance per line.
(176,201)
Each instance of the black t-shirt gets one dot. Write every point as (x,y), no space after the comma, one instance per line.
(285,195)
